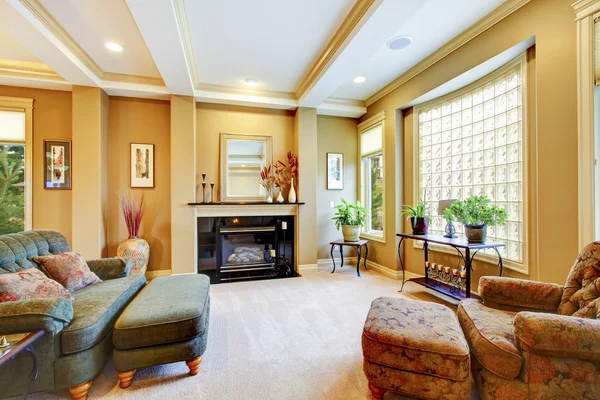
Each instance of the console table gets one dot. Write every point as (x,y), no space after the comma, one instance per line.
(466,251)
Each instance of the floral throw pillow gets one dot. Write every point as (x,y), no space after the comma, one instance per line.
(68,269)
(30,284)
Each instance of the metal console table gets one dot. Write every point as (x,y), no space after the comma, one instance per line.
(466,251)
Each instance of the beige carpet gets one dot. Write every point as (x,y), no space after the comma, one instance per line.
(294,338)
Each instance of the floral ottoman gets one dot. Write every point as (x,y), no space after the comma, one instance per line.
(415,348)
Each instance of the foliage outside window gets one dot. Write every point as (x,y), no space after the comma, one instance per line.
(372,177)
(12,171)
(471,143)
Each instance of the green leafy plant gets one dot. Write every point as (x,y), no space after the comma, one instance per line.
(476,210)
(418,211)
(12,200)
(350,214)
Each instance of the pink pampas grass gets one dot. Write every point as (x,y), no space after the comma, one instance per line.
(133,211)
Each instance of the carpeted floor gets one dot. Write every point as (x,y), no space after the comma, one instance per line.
(294,338)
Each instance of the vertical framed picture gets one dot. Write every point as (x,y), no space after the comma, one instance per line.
(335,171)
(142,165)
(57,164)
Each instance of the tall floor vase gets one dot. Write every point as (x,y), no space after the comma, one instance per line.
(138,250)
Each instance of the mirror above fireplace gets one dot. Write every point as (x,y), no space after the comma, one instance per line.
(243,156)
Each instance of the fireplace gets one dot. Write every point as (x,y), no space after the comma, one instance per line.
(244,248)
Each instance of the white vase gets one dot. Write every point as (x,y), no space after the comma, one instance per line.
(280,198)
(292,194)
(269,199)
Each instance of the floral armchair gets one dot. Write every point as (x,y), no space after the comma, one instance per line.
(535,340)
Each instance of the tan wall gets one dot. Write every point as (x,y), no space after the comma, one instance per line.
(335,135)
(555,67)
(140,121)
(51,120)
(212,119)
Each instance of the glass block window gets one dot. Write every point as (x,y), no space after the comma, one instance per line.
(472,144)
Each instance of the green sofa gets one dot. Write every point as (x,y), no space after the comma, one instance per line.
(78,334)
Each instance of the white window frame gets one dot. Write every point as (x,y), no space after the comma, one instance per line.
(521,61)
(26,106)
(377,119)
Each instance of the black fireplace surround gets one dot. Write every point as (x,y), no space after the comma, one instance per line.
(246,248)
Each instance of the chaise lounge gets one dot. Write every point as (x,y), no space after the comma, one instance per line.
(78,334)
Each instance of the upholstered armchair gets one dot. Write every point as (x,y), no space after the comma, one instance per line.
(535,340)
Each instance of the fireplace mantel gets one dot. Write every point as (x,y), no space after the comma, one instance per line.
(244,209)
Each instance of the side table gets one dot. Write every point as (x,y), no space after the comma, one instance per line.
(18,343)
(357,245)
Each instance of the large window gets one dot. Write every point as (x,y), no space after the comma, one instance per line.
(471,143)
(14,215)
(372,174)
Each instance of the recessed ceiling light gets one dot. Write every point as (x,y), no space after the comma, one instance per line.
(399,42)
(251,82)
(359,79)
(114,46)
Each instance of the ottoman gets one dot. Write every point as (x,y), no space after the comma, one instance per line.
(165,323)
(415,348)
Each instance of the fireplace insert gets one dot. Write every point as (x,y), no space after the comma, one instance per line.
(243,248)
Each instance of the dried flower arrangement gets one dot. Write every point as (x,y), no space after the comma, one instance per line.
(266,178)
(133,211)
(284,173)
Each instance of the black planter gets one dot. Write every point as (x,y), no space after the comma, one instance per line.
(476,233)
(419,226)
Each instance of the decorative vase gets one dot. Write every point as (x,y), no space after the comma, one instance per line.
(351,233)
(292,194)
(420,226)
(280,198)
(138,250)
(269,199)
(476,233)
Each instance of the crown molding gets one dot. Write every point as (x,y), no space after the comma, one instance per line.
(244,91)
(140,80)
(186,39)
(28,70)
(475,30)
(342,108)
(337,42)
(243,97)
(44,17)
(585,8)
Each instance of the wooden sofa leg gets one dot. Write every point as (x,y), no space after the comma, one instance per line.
(125,378)
(376,393)
(194,365)
(80,392)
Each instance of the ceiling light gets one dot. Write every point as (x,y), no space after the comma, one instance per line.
(359,79)
(399,42)
(251,82)
(114,46)
(243,165)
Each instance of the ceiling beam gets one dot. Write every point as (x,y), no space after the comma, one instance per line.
(169,44)
(313,90)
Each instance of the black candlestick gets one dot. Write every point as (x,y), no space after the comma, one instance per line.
(212,192)
(203,191)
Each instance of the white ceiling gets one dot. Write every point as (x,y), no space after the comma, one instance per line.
(10,49)
(92,23)
(273,41)
(224,42)
(432,25)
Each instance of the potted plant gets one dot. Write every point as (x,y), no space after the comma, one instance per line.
(351,218)
(418,217)
(476,213)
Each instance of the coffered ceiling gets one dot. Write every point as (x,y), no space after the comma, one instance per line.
(297,53)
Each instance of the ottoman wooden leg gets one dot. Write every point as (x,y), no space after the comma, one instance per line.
(125,378)
(80,392)
(376,393)
(194,365)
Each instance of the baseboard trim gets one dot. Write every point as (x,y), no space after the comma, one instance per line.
(351,261)
(155,274)
(307,268)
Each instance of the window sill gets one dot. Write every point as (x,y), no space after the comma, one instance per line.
(373,237)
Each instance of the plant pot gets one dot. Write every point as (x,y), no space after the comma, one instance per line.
(351,233)
(420,226)
(138,250)
(476,233)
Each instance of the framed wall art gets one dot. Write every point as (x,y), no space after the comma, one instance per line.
(335,171)
(142,165)
(57,164)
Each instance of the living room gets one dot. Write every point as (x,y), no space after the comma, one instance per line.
(271,200)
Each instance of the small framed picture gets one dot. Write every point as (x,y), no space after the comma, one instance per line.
(335,171)
(57,164)
(142,165)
